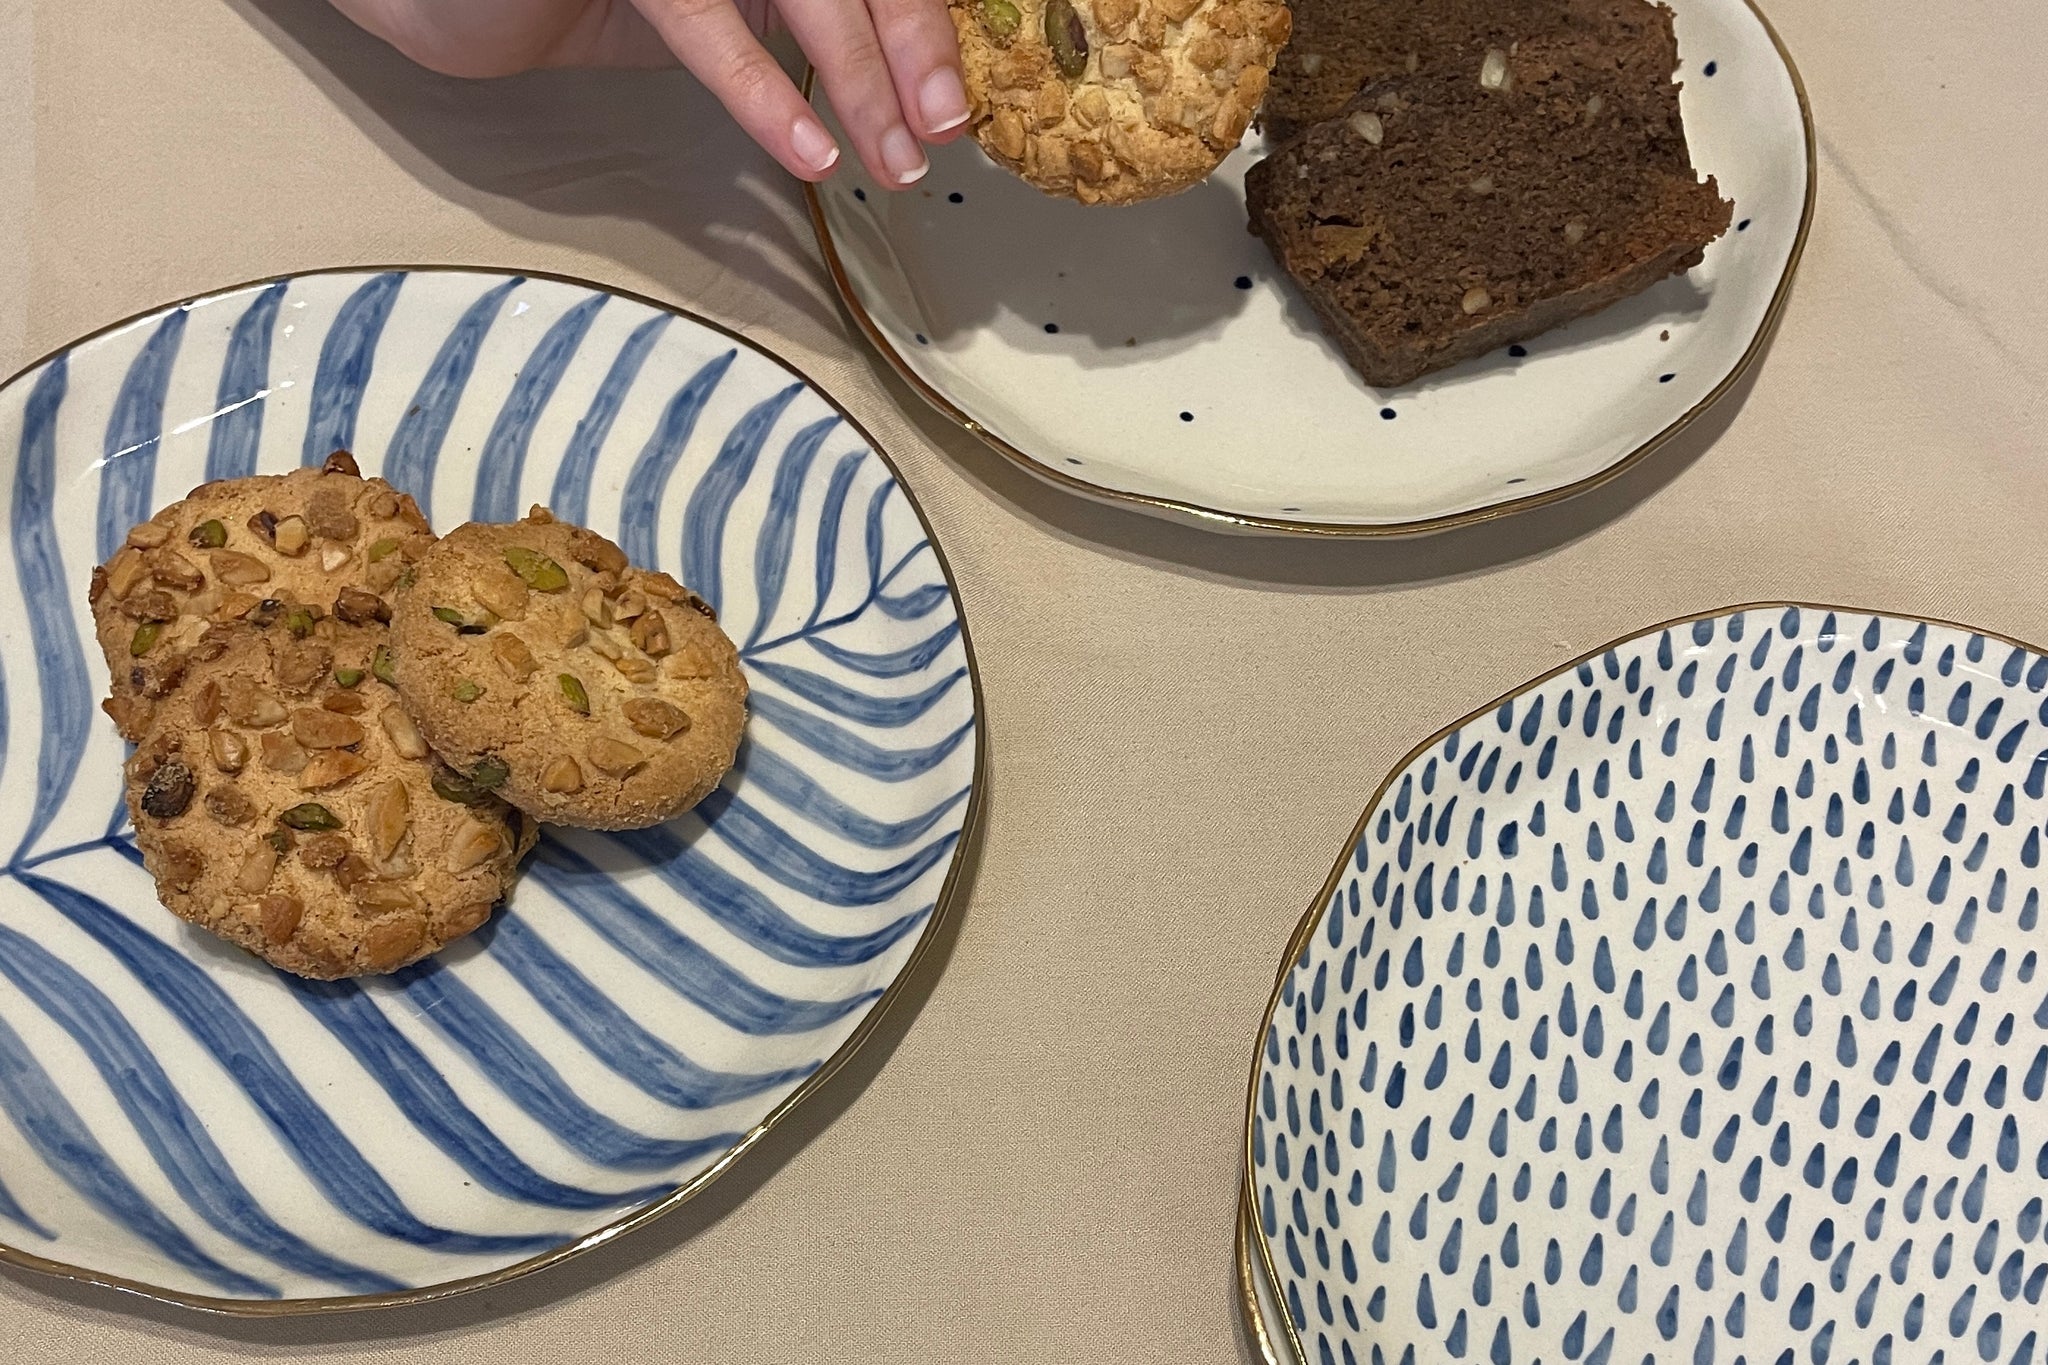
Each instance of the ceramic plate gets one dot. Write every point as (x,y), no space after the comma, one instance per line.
(1157,355)
(1256,1299)
(183,1121)
(1686,1005)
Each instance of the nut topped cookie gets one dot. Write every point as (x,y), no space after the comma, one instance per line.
(1113,101)
(325,539)
(283,799)
(593,692)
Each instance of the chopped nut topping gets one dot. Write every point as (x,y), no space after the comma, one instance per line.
(404,735)
(562,775)
(611,757)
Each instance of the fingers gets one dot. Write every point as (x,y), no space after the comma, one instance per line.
(924,62)
(840,39)
(713,41)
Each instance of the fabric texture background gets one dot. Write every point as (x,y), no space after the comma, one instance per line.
(1037,1158)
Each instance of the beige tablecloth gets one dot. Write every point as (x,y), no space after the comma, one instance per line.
(1037,1159)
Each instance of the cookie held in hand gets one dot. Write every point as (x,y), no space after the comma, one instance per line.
(592,692)
(1115,101)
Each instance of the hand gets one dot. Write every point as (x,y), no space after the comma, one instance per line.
(891,67)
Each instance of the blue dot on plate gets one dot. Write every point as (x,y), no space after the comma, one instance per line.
(1072,460)
(1666,378)
(1051,327)
(922,340)
(1386,414)
(1187,417)
(1518,351)
(1712,67)
(1742,226)
(1244,281)
(956,198)
(1515,481)
(860,194)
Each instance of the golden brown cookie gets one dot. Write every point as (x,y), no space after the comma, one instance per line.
(606,694)
(283,799)
(239,549)
(1113,101)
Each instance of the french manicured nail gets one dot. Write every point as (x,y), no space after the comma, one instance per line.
(813,145)
(904,157)
(943,100)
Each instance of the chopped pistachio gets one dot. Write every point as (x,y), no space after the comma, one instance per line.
(574,695)
(309,815)
(539,572)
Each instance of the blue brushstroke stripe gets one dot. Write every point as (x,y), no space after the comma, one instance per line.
(640,504)
(746,913)
(877,504)
(237,428)
(612,1036)
(53,1128)
(502,462)
(778,528)
(678,962)
(176,1137)
(797,789)
(840,745)
(39,569)
(710,505)
(346,359)
(571,496)
(915,603)
(419,1090)
(415,447)
(134,430)
(11,1209)
(322,1151)
(862,707)
(827,566)
(530,1081)
(801,868)
(895,664)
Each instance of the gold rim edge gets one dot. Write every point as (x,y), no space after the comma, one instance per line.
(1214,518)
(1305,927)
(942,912)
(1247,1292)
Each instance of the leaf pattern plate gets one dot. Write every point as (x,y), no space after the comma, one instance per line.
(178,1119)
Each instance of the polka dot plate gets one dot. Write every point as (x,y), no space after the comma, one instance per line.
(1686,1005)
(1156,355)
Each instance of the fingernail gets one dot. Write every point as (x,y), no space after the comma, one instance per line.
(813,145)
(943,100)
(903,156)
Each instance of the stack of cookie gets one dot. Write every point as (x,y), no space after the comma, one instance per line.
(346,731)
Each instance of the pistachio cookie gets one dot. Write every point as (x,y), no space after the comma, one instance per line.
(325,538)
(1113,101)
(284,800)
(606,694)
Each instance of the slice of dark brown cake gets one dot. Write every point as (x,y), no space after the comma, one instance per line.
(1340,46)
(1439,217)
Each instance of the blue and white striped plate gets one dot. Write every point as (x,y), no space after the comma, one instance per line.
(1686,1005)
(183,1121)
